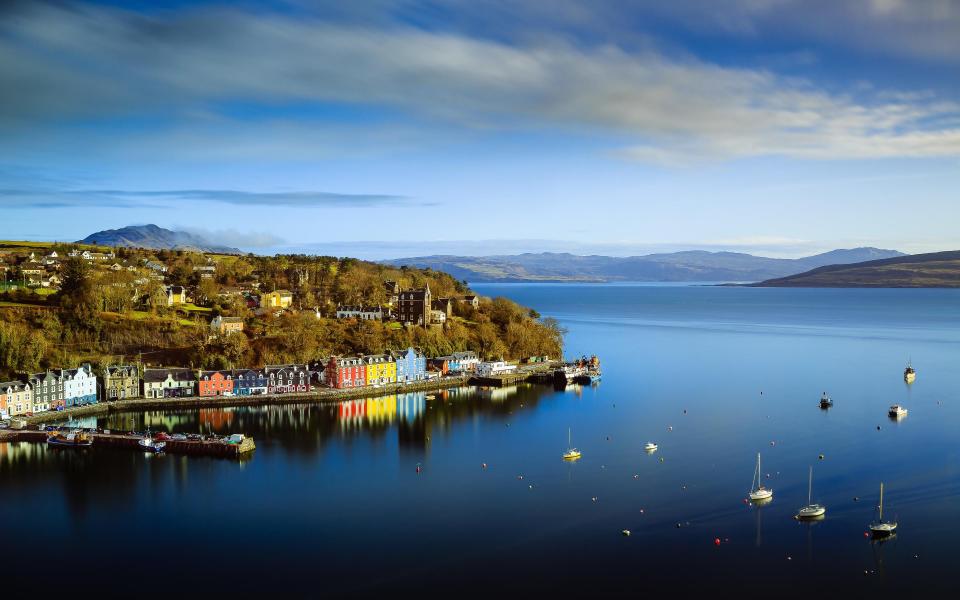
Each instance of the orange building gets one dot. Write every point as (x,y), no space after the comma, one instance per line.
(215,383)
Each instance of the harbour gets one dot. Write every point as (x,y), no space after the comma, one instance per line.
(411,471)
(201,447)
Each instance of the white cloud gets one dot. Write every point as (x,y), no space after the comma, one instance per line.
(97,62)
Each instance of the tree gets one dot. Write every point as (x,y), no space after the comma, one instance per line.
(76,294)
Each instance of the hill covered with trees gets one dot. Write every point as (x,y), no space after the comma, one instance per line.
(125,306)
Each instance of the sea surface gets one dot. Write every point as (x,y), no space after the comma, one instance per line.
(333,502)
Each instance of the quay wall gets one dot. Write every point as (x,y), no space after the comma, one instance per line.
(194,448)
(321,395)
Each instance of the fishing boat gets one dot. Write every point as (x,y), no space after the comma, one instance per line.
(896,411)
(650,447)
(881,528)
(758,493)
(811,510)
(569,373)
(571,453)
(825,401)
(148,444)
(909,374)
(76,439)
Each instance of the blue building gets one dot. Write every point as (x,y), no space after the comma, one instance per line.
(411,366)
(249,382)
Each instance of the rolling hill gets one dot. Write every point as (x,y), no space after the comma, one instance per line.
(695,265)
(937,269)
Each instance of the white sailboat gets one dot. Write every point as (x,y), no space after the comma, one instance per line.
(811,510)
(758,493)
(881,528)
(571,453)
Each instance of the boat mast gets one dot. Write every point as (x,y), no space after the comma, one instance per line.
(758,471)
(568,438)
(810,486)
(881,502)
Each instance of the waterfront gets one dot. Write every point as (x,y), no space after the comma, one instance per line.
(331,501)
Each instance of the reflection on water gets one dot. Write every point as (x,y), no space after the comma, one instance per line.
(333,501)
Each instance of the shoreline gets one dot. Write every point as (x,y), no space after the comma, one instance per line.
(315,397)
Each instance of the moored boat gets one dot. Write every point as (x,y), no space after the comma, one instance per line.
(72,439)
(650,447)
(571,453)
(148,444)
(811,510)
(909,374)
(825,401)
(896,411)
(880,528)
(759,493)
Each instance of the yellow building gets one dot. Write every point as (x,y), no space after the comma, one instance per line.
(381,368)
(277,299)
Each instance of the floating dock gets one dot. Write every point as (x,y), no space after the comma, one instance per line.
(132,442)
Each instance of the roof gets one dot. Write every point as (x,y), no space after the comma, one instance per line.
(415,294)
(112,369)
(158,375)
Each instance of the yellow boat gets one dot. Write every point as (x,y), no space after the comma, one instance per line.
(909,374)
(571,453)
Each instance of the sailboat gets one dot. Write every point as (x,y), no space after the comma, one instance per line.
(571,453)
(881,528)
(811,510)
(909,374)
(758,493)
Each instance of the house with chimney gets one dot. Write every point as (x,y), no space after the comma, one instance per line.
(413,307)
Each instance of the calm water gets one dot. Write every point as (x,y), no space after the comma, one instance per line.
(331,502)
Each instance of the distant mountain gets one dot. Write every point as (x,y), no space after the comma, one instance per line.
(695,265)
(151,236)
(937,269)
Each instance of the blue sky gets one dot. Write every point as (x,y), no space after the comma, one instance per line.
(401,127)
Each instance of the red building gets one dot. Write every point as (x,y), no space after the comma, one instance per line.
(215,383)
(346,372)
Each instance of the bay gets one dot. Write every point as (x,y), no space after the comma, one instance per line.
(332,501)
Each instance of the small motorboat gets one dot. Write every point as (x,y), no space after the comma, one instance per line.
(811,511)
(650,447)
(909,374)
(825,401)
(758,493)
(897,411)
(77,439)
(881,528)
(571,453)
(149,444)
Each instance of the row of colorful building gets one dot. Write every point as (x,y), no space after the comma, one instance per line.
(66,388)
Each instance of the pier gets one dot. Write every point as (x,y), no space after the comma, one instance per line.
(131,442)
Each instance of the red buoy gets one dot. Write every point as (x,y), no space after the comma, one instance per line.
(716,541)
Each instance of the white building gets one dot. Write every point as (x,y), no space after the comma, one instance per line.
(364,313)
(79,386)
(438,317)
(488,369)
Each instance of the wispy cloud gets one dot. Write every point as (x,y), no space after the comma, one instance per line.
(93,62)
(39,198)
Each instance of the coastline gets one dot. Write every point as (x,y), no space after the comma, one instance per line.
(317,396)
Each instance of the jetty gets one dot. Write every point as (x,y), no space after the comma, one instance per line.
(215,448)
